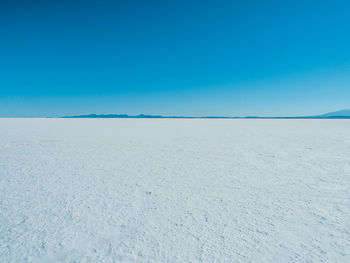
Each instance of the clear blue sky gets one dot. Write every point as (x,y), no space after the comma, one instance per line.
(232,58)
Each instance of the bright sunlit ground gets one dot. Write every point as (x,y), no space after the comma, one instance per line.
(174,190)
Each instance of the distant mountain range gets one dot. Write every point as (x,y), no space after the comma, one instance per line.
(342,114)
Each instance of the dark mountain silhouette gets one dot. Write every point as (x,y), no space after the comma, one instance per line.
(342,114)
(114,116)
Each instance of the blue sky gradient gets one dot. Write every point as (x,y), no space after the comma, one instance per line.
(194,58)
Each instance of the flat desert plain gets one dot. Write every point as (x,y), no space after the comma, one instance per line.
(174,190)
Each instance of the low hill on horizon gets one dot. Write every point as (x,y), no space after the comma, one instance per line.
(342,114)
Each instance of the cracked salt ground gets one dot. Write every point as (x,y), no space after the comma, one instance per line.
(147,190)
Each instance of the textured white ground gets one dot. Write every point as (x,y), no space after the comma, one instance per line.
(153,190)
